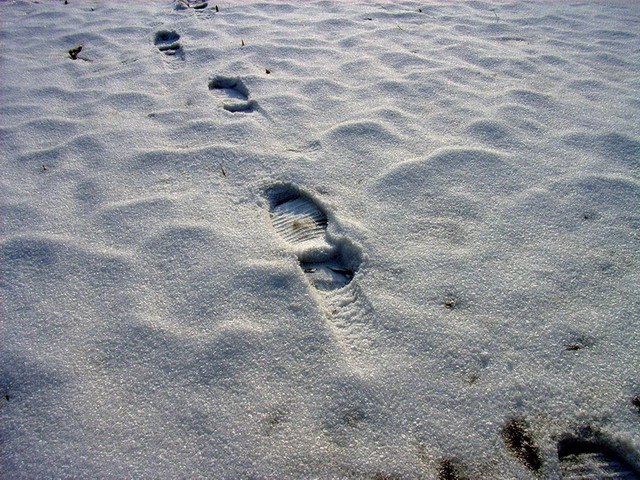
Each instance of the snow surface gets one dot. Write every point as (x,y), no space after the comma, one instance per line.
(472,172)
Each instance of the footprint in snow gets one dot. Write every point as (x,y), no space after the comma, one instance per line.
(186,4)
(582,458)
(202,10)
(303,224)
(330,267)
(233,93)
(167,43)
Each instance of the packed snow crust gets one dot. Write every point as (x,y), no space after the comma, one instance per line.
(452,294)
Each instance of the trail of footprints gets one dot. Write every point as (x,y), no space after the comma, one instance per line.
(231,90)
(330,268)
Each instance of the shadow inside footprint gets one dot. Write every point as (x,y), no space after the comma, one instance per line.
(581,458)
(303,224)
(329,275)
(451,469)
(518,439)
(233,92)
(185,4)
(167,42)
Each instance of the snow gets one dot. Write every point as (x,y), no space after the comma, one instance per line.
(320,239)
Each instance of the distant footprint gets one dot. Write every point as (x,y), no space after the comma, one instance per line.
(580,459)
(233,92)
(202,10)
(329,267)
(186,4)
(167,42)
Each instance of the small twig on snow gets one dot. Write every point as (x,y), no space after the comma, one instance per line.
(73,53)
